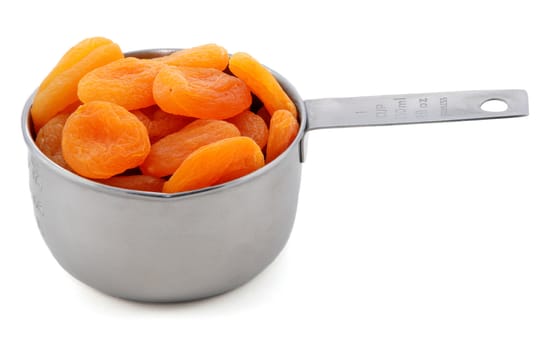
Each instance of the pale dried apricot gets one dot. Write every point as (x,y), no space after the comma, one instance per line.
(204,56)
(101,139)
(251,125)
(169,152)
(204,93)
(216,163)
(127,82)
(59,89)
(261,82)
(49,139)
(283,130)
(135,182)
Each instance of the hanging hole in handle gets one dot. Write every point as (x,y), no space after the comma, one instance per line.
(494,105)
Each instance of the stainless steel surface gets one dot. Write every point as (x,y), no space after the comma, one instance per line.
(158,247)
(165,249)
(411,109)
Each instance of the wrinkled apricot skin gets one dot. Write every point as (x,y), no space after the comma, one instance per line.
(204,56)
(185,121)
(203,93)
(59,89)
(127,82)
(261,82)
(49,139)
(169,152)
(135,182)
(163,124)
(251,125)
(283,130)
(216,163)
(159,123)
(101,139)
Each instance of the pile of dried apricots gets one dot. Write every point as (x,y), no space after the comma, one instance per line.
(167,124)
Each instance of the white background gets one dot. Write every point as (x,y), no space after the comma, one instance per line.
(406,237)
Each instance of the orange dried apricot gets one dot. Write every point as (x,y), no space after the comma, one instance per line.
(283,130)
(49,139)
(139,115)
(216,163)
(163,124)
(101,139)
(261,82)
(263,113)
(127,82)
(204,56)
(159,123)
(135,182)
(143,117)
(71,108)
(59,89)
(251,125)
(169,152)
(204,93)
(72,56)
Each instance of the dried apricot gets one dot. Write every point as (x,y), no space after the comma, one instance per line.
(169,152)
(59,89)
(71,108)
(263,113)
(283,130)
(204,93)
(135,182)
(143,117)
(49,139)
(251,125)
(204,56)
(163,124)
(101,139)
(159,123)
(216,163)
(261,82)
(139,115)
(127,82)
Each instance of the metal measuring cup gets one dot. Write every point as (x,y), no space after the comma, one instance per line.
(158,247)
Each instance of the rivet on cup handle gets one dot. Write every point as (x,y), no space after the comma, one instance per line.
(411,109)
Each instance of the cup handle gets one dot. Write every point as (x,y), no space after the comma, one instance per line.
(411,109)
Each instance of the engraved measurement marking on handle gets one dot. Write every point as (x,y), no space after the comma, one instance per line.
(417,107)
(398,107)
